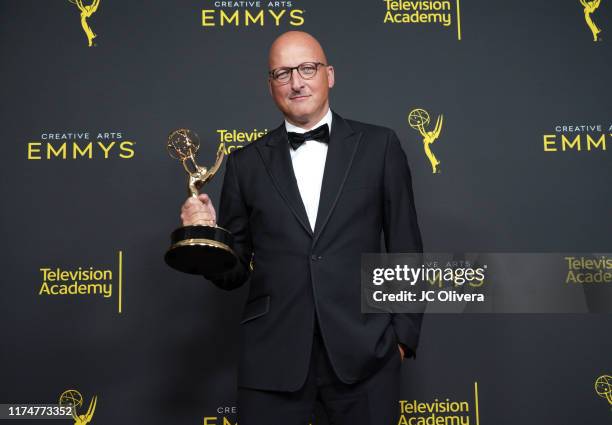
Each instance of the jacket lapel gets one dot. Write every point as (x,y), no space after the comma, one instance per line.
(275,154)
(343,145)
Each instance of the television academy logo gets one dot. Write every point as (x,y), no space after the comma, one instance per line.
(86,12)
(441,411)
(419,119)
(231,139)
(84,282)
(75,399)
(436,12)
(589,8)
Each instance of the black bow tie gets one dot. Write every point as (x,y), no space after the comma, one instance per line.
(320,134)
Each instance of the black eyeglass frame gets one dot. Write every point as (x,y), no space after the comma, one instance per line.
(297,68)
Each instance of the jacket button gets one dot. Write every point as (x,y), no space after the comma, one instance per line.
(314,257)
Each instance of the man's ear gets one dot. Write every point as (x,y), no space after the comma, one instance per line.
(331,78)
(270,86)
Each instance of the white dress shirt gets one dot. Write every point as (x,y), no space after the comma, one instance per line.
(308,166)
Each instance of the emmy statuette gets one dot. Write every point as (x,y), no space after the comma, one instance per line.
(197,249)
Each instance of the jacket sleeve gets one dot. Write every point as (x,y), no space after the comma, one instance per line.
(233,216)
(401,230)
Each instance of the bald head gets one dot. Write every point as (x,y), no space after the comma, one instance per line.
(294,46)
(303,99)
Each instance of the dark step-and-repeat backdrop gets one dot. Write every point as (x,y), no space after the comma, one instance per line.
(503,110)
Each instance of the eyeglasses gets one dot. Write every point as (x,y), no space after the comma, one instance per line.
(307,71)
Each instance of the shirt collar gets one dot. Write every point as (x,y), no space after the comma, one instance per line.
(327,119)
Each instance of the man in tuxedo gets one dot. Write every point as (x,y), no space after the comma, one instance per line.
(303,203)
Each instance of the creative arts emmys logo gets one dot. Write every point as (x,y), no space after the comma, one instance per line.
(419,119)
(75,399)
(603,387)
(86,12)
(249,13)
(79,145)
(577,137)
(589,8)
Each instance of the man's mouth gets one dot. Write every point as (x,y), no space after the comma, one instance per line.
(299,97)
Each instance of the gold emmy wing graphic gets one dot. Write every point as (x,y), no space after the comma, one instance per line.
(86,12)
(419,119)
(589,8)
(603,387)
(75,399)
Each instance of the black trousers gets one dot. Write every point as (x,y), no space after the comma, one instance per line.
(373,401)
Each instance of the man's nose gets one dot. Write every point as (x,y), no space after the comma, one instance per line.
(296,80)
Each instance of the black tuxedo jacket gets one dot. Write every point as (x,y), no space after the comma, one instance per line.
(298,273)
